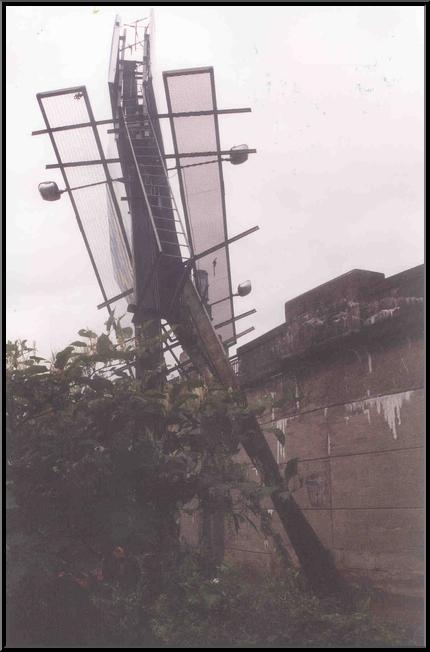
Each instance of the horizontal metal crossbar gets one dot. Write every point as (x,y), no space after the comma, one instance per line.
(185,366)
(155,165)
(61,91)
(158,176)
(221,152)
(160,228)
(226,242)
(228,321)
(163,208)
(225,152)
(80,125)
(164,253)
(166,219)
(115,298)
(73,164)
(138,145)
(189,114)
(182,114)
(231,340)
(177,244)
(171,346)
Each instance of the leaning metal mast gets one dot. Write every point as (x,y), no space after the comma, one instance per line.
(139,249)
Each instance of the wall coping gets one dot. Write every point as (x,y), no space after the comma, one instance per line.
(372,298)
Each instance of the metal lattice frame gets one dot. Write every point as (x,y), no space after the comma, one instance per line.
(199,134)
(57,108)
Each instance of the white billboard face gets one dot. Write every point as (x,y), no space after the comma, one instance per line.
(79,143)
(202,184)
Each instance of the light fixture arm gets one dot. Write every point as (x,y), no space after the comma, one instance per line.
(236,156)
(50,191)
(230,296)
(242,290)
(89,185)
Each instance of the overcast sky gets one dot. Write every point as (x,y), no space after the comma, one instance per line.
(337,119)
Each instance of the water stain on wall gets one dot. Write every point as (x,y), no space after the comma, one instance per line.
(389,406)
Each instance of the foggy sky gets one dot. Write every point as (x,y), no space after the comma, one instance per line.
(337,120)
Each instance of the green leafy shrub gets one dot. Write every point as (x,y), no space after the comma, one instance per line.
(98,460)
(241,607)
(99,465)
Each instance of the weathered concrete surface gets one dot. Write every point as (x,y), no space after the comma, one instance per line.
(321,324)
(343,380)
(343,288)
(348,395)
(378,480)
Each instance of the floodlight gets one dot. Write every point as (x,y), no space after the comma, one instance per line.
(50,191)
(244,288)
(237,155)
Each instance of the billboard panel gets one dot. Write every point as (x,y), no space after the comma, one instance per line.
(101,216)
(202,184)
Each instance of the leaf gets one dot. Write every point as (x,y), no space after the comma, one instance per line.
(265,492)
(104,345)
(211,599)
(195,382)
(184,398)
(291,469)
(246,488)
(258,410)
(110,322)
(78,343)
(36,369)
(153,393)
(100,383)
(124,355)
(62,357)
(153,407)
(94,357)
(121,374)
(84,333)
(127,331)
(36,358)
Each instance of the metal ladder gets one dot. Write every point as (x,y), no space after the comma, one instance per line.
(154,172)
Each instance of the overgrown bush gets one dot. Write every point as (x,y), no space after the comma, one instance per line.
(99,465)
(241,607)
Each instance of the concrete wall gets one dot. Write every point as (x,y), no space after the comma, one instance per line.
(343,380)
